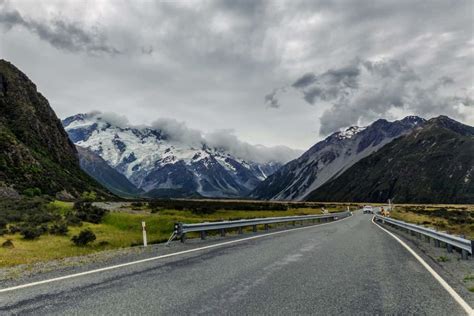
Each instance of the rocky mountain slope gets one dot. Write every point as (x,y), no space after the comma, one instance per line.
(35,152)
(433,164)
(330,158)
(110,178)
(163,167)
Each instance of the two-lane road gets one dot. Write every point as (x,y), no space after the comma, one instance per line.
(347,267)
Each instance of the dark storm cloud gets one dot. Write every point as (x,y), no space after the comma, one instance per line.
(369,90)
(213,63)
(61,34)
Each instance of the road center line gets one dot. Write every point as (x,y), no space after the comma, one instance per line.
(159,257)
(445,285)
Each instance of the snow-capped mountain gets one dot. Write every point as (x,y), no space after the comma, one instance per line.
(161,166)
(329,158)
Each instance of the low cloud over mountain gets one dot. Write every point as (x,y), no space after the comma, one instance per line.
(226,140)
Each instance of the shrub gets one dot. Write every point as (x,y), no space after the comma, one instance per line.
(73,220)
(59,229)
(14,229)
(89,196)
(85,236)
(30,232)
(87,212)
(31,192)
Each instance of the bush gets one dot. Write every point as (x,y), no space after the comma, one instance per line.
(31,232)
(89,196)
(85,236)
(31,192)
(59,229)
(73,220)
(87,212)
(14,229)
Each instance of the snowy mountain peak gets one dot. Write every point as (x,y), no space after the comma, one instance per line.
(350,132)
(156,163)
(330,157)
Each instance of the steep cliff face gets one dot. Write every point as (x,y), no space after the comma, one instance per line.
(35,151)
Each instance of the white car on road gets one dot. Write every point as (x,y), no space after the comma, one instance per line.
(368,209)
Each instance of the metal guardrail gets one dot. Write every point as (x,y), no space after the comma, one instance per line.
(181,229)
(465,245)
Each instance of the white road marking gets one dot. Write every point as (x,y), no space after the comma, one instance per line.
(158,257)
(438,278)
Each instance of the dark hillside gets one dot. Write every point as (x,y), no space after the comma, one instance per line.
(433,164)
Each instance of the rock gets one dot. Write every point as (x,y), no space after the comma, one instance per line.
(8,193)
(8,244)
(64,196)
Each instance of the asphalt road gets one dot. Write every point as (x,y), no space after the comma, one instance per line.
(349,267)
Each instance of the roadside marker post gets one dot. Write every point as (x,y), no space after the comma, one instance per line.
(145,243)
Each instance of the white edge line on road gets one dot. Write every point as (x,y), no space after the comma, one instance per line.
(160,257)
(438,278)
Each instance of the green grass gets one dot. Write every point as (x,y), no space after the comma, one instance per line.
(468,278)
(453,219)
(118,229)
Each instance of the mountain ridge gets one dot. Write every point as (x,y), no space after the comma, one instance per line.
(155,163)
(329,158)
(432,164)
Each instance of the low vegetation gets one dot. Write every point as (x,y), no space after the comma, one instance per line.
(37,229)
(453,219)
(59,228)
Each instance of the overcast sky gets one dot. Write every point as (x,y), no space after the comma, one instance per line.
(274,72)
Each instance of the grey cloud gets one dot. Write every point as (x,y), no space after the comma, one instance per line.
(228,141)
(304,80)
(60,34)
(366,90)
(271,99)
(178,131)
(210,60)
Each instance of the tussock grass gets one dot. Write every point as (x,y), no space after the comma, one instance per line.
(120,229)
(453,219)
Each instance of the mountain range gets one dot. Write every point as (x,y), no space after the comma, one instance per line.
(157,165)
(432,164)
(411,160)
(330,157)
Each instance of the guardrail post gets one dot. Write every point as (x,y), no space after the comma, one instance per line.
(222,232)
(267,227)
(294,223)
(240,231)
(203,235)
(427,239)
(464,254)
(254,228)
(183,238)
(436,243)
(449,247)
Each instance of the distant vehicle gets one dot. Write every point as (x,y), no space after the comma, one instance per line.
(368,209)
